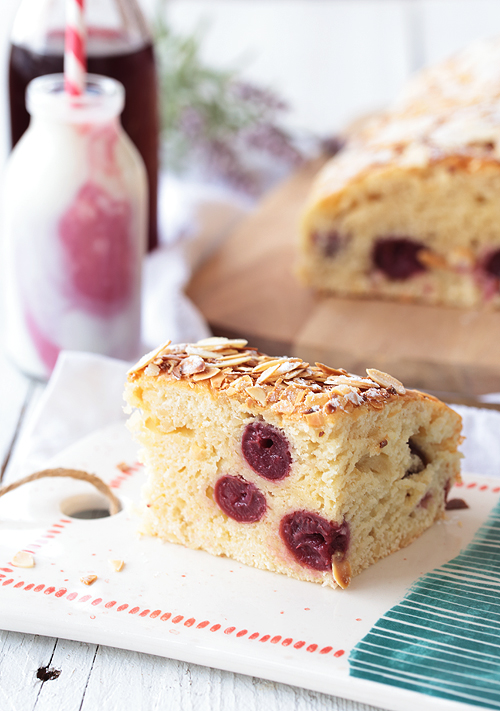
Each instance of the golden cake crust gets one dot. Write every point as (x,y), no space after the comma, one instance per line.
(286,386)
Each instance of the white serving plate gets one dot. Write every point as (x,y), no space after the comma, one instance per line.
(191,606)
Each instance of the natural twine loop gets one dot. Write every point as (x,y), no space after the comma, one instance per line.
(100,485)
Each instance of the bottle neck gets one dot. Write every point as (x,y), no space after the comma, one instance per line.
(113,27)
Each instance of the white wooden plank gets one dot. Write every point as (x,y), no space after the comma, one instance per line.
(449,26)
(330,60)
(21,655)
(149,683)
(75,661)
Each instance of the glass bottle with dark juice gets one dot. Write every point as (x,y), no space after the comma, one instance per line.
(119,46)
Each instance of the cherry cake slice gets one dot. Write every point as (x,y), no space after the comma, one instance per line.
(300,469)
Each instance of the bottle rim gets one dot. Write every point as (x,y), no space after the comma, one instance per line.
(102,100)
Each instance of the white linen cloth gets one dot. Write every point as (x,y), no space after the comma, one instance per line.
(85,393)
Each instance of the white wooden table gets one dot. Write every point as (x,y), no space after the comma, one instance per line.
(50,674)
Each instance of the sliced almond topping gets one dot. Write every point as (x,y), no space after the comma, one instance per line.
(201,352)
(267,364)
(257,393)
(23,559)
(217,380)
(315,419)
(217,342)
(208,373)
(191,365)
(117,565)
(289,365)
(88,579)
(341,570)
(147,359)
(234,360)
(294,373)
(386,380)
(241,383)
(152,369)
(268,374)
(331,371)
(352,380)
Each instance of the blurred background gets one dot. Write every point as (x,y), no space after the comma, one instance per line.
(324,62)
(249,90)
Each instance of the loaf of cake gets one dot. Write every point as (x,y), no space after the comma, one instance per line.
(304,470)
(410,208)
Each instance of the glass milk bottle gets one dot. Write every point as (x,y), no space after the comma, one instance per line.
(118,45)
(74,228)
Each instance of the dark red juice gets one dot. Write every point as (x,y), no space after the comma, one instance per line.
(134,69)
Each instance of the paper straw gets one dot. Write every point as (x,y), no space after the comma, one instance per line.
(75,60)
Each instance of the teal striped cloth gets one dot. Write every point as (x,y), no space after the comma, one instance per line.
(443,639)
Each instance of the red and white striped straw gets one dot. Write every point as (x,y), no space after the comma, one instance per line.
(75,58)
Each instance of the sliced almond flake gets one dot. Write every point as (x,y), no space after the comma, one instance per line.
(117,565)
(241,383)
(331,371)
(201,352)
(226,353)
(316,400)
(293,374)
(192,364)
(206,375)
(268,364)
(284,407)
(176,348)
(315,419)
(23,559)
(341,390)
(152,369)
(301,393)
(288,366)
(268,374)
(386,380)
(341,570)
(234,360)
(257,393)
(352,380)
(217,380)
(217,342)
(147,359)
(88,579)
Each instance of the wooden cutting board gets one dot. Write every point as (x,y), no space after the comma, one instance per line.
(248,288)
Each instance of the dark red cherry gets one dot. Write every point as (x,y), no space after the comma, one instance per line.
(240,499)
(266,450)
(492,264)
(397,257)
(312,539)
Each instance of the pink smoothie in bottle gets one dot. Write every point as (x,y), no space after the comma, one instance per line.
(75,219)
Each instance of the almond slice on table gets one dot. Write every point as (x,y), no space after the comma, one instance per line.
(23,559)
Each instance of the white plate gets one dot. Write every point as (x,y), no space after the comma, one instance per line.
(188,605)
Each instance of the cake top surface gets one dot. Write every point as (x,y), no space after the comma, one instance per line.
(286,385)
(449,109)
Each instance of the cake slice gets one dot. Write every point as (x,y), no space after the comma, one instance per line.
(409,209)
(304,470)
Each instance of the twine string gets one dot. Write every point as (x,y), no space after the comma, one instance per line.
(100,485)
